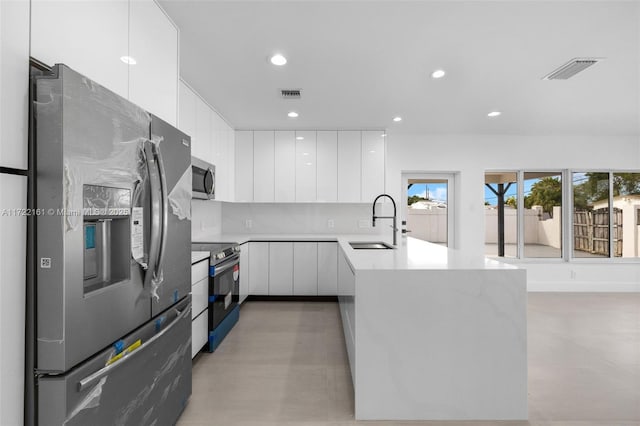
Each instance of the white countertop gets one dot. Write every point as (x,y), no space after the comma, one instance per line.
(410,254)
(197,256)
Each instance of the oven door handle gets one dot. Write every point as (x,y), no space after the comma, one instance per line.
(220,269)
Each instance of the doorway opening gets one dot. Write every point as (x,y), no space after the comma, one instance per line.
(428,207)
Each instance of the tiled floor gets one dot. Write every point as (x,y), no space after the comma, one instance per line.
(285,364)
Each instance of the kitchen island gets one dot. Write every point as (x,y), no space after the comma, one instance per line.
(433,334)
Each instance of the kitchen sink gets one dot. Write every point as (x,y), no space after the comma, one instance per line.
(370,245)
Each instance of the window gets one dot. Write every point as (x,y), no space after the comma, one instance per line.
(524,215)
(590,214)
(543,214)
(501,216)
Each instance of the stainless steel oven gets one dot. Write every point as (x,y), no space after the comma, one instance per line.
(224,286)
(203,179)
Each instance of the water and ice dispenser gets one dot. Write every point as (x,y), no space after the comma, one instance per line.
(107,234)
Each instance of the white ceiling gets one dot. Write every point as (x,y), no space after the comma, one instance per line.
(360,63)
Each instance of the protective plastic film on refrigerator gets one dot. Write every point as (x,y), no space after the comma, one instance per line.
(112,257)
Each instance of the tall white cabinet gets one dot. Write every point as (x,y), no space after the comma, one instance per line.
(349,166)
(285,166)
(92,37)
(264,169)
(14,90)
(153,42)
(212,139)
(14,82)
(13,230)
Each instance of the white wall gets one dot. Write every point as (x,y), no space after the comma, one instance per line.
(472,155)
(303,218)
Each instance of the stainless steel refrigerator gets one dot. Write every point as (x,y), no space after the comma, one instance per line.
(112,235)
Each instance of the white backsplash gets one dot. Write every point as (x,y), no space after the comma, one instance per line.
(301,218)
(206,219)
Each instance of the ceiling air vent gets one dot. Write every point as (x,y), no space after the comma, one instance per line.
(571,68)
(290,93)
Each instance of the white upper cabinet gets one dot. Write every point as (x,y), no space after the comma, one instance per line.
(14,82)
(310,166)
(89,37)
(201,141)
(373,154)
(244,165)
(327,161)
(187,112)
(263,169)
(305,166)
(153,43)
(285,166)
(349,158)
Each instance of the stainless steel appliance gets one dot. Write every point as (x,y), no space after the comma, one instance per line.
(224,286)
(111,302)
(204,179)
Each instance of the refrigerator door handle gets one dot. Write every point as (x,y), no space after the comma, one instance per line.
(92,378)
(155,194)
(165,211)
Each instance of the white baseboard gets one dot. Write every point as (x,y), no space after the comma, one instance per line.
(584,287)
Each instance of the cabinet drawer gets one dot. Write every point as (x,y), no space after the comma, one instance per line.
(198,333)
(199,297)
(199,271)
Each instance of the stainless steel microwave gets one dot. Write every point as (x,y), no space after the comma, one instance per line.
(204,179)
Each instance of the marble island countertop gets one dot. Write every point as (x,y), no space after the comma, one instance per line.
(409,254)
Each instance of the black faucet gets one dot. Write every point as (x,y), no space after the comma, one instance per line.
(395,230)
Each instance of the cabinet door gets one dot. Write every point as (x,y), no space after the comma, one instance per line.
(372,164)
(327,160)
(305,166)
(222,160)
(259,269)
(244,165)
(281,269)
(327,269)
(263,166)
(305,269)
(349,168)
(14,82)
(13,237)
(202,138)
(244,272)
(231,169)
(153,43)
(88,36)
(187,113)
(285,163)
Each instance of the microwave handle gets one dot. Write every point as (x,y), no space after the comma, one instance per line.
(209,191)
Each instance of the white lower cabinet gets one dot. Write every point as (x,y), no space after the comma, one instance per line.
(199,332)
(281,268)
(305,269)
(259,268)
(327,269)
(199,303)
(244,272)
(288,268)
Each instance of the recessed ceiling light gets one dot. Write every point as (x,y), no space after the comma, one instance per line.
(305,153)
(396,119)
(494,114)
(384,135)
(278,60)
(128,60)
(308,164)
(299,138)
(292,114)
(372,152)
(438,74)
